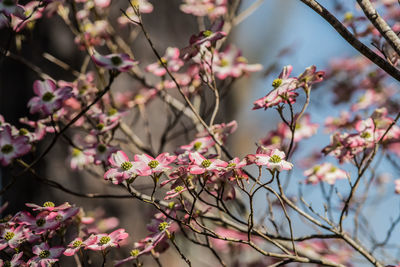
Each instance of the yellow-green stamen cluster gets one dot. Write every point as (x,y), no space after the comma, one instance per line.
(6,149)
(23,131)
(162,226)
(134,252)
(77,243)
(206,163)
(48,96)
(152,164)
(44,254)
(276,83)
(76,152)
(126,165)
(366,135)
(163,61)
(223,63)
(104,240)
(197,145)
(275,159)
(8,236)
(230,165)
(100,126)
(48,204)
(179,188)
(207,33)
(112,112)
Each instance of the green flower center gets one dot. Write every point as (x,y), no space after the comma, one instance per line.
(126,165)
(276,83)
(48,96)
(316,168)
(40,222)
(224,63)
(104,240)
(77,243)
(134,252)
(44,254)
(207,33)
(206,163)
(76,152)
(112,112)
(333,169)
(152,164)
(179,188)
(348,16)
(6,149)
(48,204)
(116,60)
(8,236)
(275,140)
(162,226)
(171,204)
(101,148)
(275,159)
(365,135)
(23,131)
(100,126)
(231,165)
(197,145)
(163,61)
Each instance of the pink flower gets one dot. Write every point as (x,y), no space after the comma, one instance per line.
(39,224)
(144,7)
(311,76)
(49,98)
(124,169)
(12,237)
(170,59)
(15,261)
(199,164)
(203,40)
(102,152)
(324,172)
(104,241)
(176,191)
(282,92)
(120,62)
(48,206)
(12,147)
(45,256)
(211,8)
(200,145)
(273,159)
(234,169)
(156,165)
(232,63)
(74,246)
(80,158)
(304,129)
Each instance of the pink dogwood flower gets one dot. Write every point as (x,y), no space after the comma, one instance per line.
(211,8)
(48,206)
(157,165)
(14,262)
(170,59)
(325,172)
(39,224)
(282,92)
(273,160)
(123,168)
(104,241)
(199,164)
(12,237)
(120,62)
(12,147)
(45,256)
(49,98)
(74,246)
(232,63)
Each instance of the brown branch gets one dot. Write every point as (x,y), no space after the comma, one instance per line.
(352,40)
